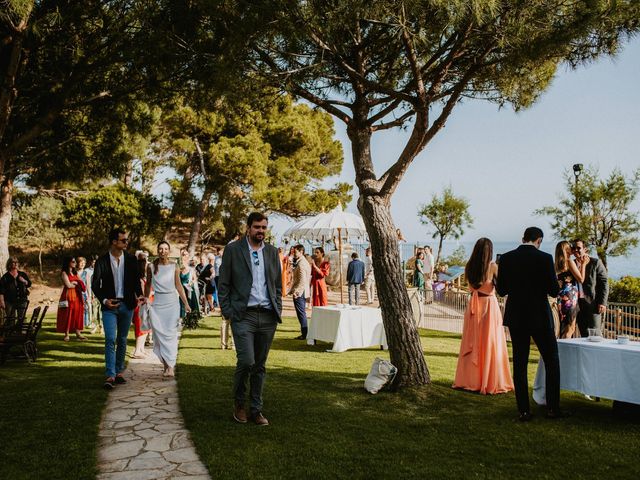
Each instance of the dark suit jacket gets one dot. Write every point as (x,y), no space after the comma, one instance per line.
(527,276)
(596,283)
(102,283)
(236,278)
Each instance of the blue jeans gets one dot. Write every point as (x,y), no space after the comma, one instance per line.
(253,336)
(116,329)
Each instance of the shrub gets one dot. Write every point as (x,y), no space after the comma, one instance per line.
(625,290)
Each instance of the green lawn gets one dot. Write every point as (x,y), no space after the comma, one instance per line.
(50,410)
(324,425)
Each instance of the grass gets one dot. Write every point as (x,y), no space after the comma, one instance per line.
(324,425)
(50,410)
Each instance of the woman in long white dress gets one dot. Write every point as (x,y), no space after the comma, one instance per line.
(164,276)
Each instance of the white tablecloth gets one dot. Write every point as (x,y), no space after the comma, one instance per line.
(347,327)
(601,369)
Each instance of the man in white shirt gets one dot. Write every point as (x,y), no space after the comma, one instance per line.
(369,279)
(116,283)
(429,267)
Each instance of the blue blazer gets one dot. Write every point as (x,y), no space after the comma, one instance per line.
(355,271)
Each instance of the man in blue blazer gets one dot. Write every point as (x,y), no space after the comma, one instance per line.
(527,277)
(355,277)
(250,294)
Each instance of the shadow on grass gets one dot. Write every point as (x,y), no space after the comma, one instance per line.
(50,410)
(338,428)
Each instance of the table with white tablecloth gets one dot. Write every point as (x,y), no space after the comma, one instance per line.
(347,327)
(602,369)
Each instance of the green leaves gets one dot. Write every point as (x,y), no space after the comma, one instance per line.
(89,218)
(264,153)
(603,209)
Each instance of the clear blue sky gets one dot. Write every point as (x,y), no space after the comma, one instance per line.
(508,164)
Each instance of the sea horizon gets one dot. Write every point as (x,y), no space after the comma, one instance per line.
(617,266)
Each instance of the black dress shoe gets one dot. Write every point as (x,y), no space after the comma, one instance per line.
(525,417)
(301,337)
(557,413)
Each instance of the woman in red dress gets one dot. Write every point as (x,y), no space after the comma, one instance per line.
(319,270)
(71,308)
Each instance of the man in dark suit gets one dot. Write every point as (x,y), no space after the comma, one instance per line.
(595,290)
(116,284)
(527,276)
(251,298)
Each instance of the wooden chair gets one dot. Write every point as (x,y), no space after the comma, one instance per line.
(31,346)
(17,335)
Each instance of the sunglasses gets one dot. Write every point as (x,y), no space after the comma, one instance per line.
(256,260)
(123,240)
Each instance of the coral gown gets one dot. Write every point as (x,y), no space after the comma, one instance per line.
(73,315)
(319,286)
(483,363)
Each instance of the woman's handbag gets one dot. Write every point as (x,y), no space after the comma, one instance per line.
(63,304)
(380,376)
(145,317)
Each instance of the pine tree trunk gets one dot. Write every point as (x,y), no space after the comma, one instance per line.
(197,221)
(405,347)
(6,195)
(439,251)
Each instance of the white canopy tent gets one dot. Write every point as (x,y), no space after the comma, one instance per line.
(336,223)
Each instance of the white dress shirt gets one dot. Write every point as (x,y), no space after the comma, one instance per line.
(117,267)
(259,296)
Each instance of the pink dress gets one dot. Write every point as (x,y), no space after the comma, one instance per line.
(483,363)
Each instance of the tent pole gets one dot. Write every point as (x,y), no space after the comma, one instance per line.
(340,263)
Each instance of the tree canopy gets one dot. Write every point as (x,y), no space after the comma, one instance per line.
(605,218)
(382,64)
(269,154)
(448,214)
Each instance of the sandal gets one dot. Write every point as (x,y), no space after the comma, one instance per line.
(81,338)
(66,338)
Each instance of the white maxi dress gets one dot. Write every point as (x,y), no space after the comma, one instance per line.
(164,313)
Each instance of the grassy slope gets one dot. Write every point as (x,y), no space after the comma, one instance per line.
(50,410)
(324,425)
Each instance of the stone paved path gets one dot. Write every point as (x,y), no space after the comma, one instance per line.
(142,433)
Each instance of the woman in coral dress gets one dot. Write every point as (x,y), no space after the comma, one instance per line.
(70,315)
(319,270)
(483,363)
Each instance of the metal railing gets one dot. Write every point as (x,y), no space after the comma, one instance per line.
(444,311)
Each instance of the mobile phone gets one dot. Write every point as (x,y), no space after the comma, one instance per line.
(498,255)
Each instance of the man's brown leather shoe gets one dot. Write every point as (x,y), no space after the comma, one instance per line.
(259,419)
(240,414)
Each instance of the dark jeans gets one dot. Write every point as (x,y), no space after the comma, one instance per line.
(253,336)
(300,305)
(546,341)
(588,317)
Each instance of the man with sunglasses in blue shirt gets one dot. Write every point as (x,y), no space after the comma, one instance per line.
(250,294)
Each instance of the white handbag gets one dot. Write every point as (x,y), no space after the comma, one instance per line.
(381,375)
(145,314)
